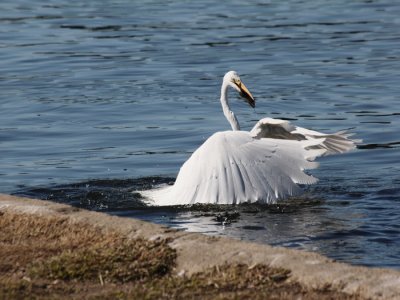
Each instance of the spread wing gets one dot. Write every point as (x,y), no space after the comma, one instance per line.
(334,143)
(233,167)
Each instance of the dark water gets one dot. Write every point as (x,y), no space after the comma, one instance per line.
(98,97)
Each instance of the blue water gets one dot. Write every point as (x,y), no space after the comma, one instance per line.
(99,97)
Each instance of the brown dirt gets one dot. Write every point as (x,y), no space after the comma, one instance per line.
(51,257)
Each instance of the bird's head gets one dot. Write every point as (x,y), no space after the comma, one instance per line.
(232,79)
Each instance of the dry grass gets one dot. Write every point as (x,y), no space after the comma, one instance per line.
(41,253)
(53,258)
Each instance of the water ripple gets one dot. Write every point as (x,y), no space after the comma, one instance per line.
(95,93)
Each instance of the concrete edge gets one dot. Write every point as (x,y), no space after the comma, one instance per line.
(197,252)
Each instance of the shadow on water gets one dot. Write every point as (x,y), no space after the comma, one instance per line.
(384,145)
(99,195)
(336,227)
(122,196)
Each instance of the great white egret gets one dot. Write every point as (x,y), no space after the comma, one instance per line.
(261,165)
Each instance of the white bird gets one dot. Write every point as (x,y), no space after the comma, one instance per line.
(263,165)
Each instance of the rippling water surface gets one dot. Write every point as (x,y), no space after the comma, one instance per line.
(99,97)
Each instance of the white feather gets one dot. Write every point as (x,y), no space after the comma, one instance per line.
(233,167)
(263,165)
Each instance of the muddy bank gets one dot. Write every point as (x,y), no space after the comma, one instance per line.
(54,250)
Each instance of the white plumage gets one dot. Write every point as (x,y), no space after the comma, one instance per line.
(263,165)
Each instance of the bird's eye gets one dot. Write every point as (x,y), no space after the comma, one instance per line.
(237,82)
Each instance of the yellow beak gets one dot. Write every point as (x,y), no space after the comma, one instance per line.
(245,93)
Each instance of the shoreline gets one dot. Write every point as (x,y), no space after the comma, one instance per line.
(198,253)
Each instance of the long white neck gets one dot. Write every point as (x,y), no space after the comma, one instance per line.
(229,115)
